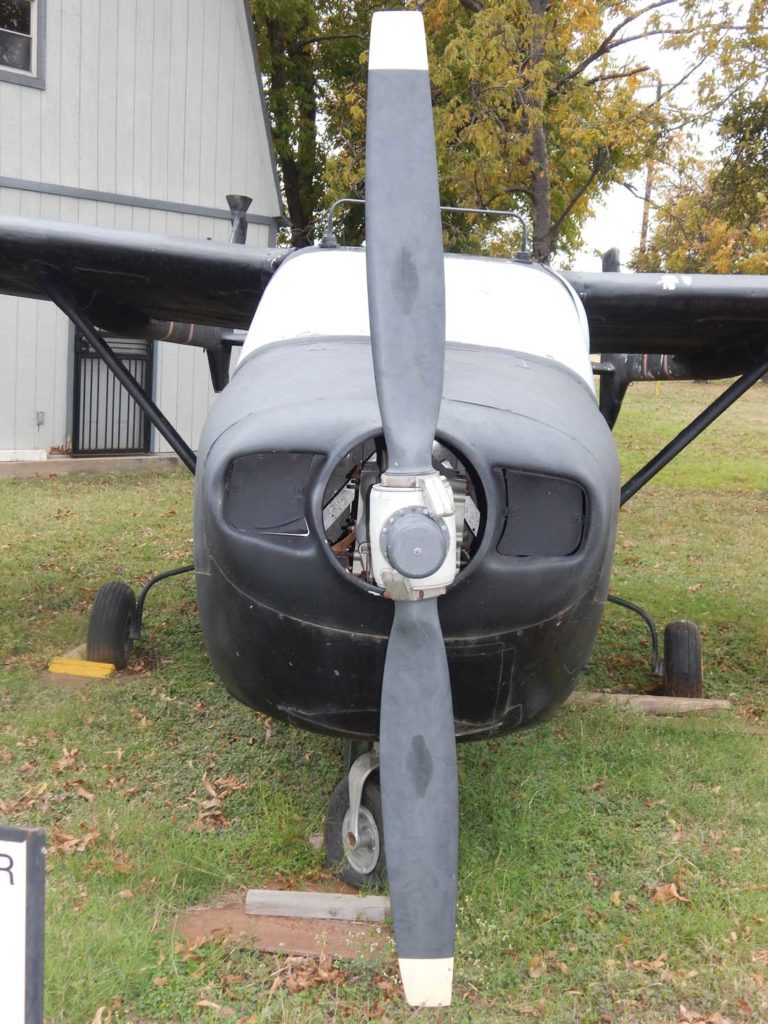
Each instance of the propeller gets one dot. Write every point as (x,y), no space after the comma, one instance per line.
(412,519)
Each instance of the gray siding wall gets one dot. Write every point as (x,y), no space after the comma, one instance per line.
(157,99)
(152,98)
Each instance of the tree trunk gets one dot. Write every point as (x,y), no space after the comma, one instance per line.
(534,102)
(293,104)
(540,189)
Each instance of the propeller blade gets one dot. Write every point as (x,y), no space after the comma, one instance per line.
(404,242)
(420,801)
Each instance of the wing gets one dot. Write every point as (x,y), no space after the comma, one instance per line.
(673,327)
(127,281)
(689,315)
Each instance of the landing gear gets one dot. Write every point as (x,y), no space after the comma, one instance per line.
(110,629)
(116,619)
(683,672)
(354,831)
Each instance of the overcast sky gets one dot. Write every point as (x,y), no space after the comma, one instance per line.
(617,222)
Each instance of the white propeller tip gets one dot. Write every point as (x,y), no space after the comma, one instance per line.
(398,42)
(427,982)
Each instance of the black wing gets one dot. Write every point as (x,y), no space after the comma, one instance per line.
(125,280)
(683,314)
(673,327)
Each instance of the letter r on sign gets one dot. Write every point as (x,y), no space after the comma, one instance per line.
(6,866)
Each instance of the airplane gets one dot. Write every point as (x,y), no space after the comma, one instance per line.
(406,497)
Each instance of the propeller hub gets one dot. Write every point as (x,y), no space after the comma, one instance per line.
(415,543)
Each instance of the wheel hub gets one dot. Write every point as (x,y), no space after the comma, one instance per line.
(362,853)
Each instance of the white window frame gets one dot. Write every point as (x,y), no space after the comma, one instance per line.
(35,77)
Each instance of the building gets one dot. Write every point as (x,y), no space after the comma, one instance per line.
(136,114)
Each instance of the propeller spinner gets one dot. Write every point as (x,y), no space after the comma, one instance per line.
(412,519)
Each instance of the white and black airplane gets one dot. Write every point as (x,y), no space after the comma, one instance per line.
(407,495)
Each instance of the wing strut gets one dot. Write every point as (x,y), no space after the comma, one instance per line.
(61,296)
(692,431)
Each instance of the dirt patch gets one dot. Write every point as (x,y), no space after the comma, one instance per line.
(227,919)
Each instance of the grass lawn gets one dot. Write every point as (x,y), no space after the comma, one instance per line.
(573,835)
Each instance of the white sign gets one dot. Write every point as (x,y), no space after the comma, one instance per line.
(13,930)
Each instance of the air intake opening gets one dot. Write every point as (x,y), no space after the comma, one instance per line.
(345,504)
(545,516)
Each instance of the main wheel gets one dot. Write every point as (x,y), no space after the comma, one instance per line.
(683,670)
(362,863)
(109,628)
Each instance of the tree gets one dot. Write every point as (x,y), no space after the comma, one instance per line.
(305,46)
(538,104)
(713,215)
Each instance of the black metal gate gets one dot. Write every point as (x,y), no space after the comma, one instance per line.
(106,419)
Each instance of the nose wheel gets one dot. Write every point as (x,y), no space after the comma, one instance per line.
(354,830)
(683,672)
(110,628)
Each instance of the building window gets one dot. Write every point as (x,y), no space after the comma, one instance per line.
(22,24)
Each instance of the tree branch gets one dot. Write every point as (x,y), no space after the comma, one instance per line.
(610,42)
(597,166)
(613,75)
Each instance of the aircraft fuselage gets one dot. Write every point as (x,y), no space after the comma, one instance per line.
(296,633)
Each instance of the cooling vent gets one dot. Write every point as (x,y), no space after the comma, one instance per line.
(545,515)
(266,492)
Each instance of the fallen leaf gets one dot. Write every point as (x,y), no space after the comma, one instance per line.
(616,898)
(537,967)
(67,761)
(651,966)
(668,893)
(63,842)
(126,894)
(760,956)
(299,973)
(220,1011)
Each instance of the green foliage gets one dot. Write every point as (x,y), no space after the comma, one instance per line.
(306,46)
(532,110)
(540,105)
(713,216)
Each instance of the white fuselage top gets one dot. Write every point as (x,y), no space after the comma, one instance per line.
(495,303)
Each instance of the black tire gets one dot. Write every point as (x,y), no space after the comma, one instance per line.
(683,670)
(367,866)
(109,628)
